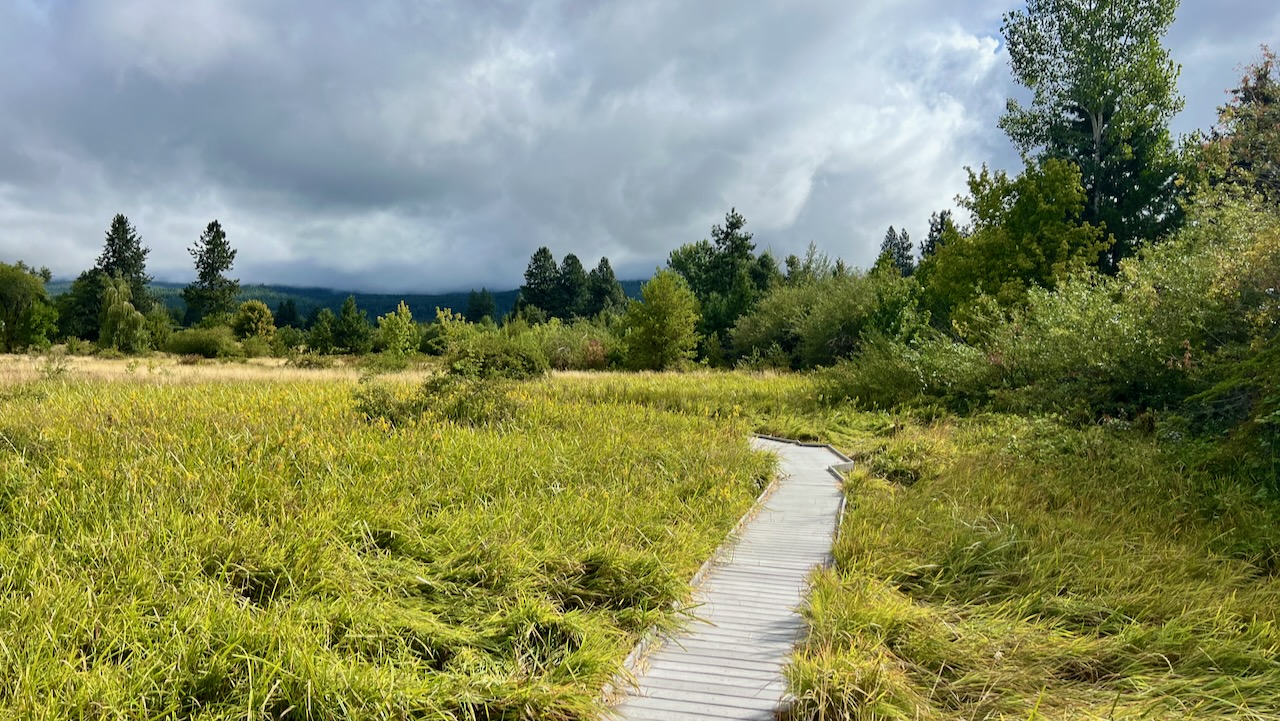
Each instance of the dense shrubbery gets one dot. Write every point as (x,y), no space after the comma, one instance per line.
(1188,328)
(215,342)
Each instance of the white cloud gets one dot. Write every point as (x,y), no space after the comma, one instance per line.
(430,147)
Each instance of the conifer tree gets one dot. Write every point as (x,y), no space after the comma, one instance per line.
(541,280)
(212,292)
(123,255)
(604,292)
(571,289)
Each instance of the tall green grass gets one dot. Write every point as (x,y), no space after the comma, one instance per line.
(1004,568)
(258,550)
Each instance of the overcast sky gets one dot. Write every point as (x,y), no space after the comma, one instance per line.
(432,146)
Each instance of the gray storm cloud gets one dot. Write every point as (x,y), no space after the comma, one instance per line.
(433,146)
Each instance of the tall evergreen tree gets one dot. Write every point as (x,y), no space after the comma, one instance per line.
(123,255)
(541,280)
(724,274)
(480,305)
(287,314)
(352,332)
(604,292)
(212,292)
(940,226)
(571,288)
(896,249)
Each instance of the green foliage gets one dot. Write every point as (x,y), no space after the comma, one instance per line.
(725,275)
(1004,567)
(351,331)
(480,306)
(941,227)
(398,334)
(320,338)
(1104,90)
(896,251)
(288,341)
(604,292)
(660,331)
(820,322)
(217,342)
(571,289)
(495,354)
(159,327)
(27,318)
(580,345)
(287,315)
(123,328)
(124,256)
(1027,232)
(253,319)
(212,291)
(541,281)
(1248,130)
(79,309)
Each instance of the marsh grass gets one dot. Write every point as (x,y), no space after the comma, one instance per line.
(1002,568)
(220,547)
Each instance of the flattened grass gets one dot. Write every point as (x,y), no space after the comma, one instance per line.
(253,549)
(1003,568)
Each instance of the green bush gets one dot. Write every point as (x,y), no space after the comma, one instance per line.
(215,342)
(580,345)
(255,347)
(287,341)
(496,354)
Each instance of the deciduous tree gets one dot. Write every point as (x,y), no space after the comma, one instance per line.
(1104,90)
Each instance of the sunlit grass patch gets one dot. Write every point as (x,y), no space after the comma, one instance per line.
(1006,568)
(223,549)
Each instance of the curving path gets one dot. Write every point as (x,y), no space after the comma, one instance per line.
(728,663)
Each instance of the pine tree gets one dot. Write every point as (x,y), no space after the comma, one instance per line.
(352,332)
(480,305)
(123,255)
(320,337)
(940,227)
(212,292)
(287,314)
(571,288)
(541,279)
(604,292)
(896,249)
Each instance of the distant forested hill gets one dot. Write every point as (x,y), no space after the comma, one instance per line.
(376,304)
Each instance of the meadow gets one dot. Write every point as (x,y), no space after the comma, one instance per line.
(178,547)
(242,541)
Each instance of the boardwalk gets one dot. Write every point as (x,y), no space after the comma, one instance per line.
(728,664)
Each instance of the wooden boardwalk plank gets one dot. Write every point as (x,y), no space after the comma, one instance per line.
(727,663)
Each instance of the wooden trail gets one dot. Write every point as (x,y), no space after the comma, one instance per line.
(728,663)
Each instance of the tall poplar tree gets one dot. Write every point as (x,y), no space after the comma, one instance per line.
(1104,90)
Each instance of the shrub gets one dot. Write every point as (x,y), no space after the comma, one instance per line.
(255,347)
(580,345)
(204,342)
(287,341)
(78,346)
(253,319)
(396,331)
(496,354)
